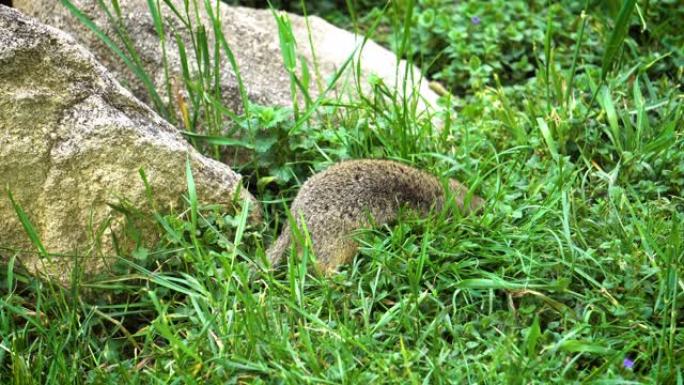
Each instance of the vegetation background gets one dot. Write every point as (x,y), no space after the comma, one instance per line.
(566,116)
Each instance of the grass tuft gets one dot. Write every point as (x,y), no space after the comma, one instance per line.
(568,120)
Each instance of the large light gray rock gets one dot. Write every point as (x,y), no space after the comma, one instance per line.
(72,140)
(253,37)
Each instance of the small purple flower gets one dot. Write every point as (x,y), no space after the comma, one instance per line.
(475,20)
(627,363)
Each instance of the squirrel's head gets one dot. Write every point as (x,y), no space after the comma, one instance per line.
(459,193)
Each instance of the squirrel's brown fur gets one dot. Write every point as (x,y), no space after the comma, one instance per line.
(343,198)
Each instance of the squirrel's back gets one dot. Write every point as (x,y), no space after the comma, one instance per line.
(344,197)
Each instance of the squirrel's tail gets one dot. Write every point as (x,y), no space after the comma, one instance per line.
(276,251)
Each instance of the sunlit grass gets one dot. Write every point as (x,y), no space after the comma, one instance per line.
(573,267)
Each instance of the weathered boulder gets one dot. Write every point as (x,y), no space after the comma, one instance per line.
(72,141)
(253,37)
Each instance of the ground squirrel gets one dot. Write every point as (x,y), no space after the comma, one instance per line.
(343,198)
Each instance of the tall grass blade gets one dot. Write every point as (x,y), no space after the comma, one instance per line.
(218,34)
(336,76)
(605,100)
(219,140)
(153,6)
(575,55)
(617,37)
(192,194)
(548,137)
(139,72)
(28,226)
(547,58)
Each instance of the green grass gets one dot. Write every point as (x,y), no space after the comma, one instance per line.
(575,265)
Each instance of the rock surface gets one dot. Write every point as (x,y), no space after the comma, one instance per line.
(253,37)
(72,140)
